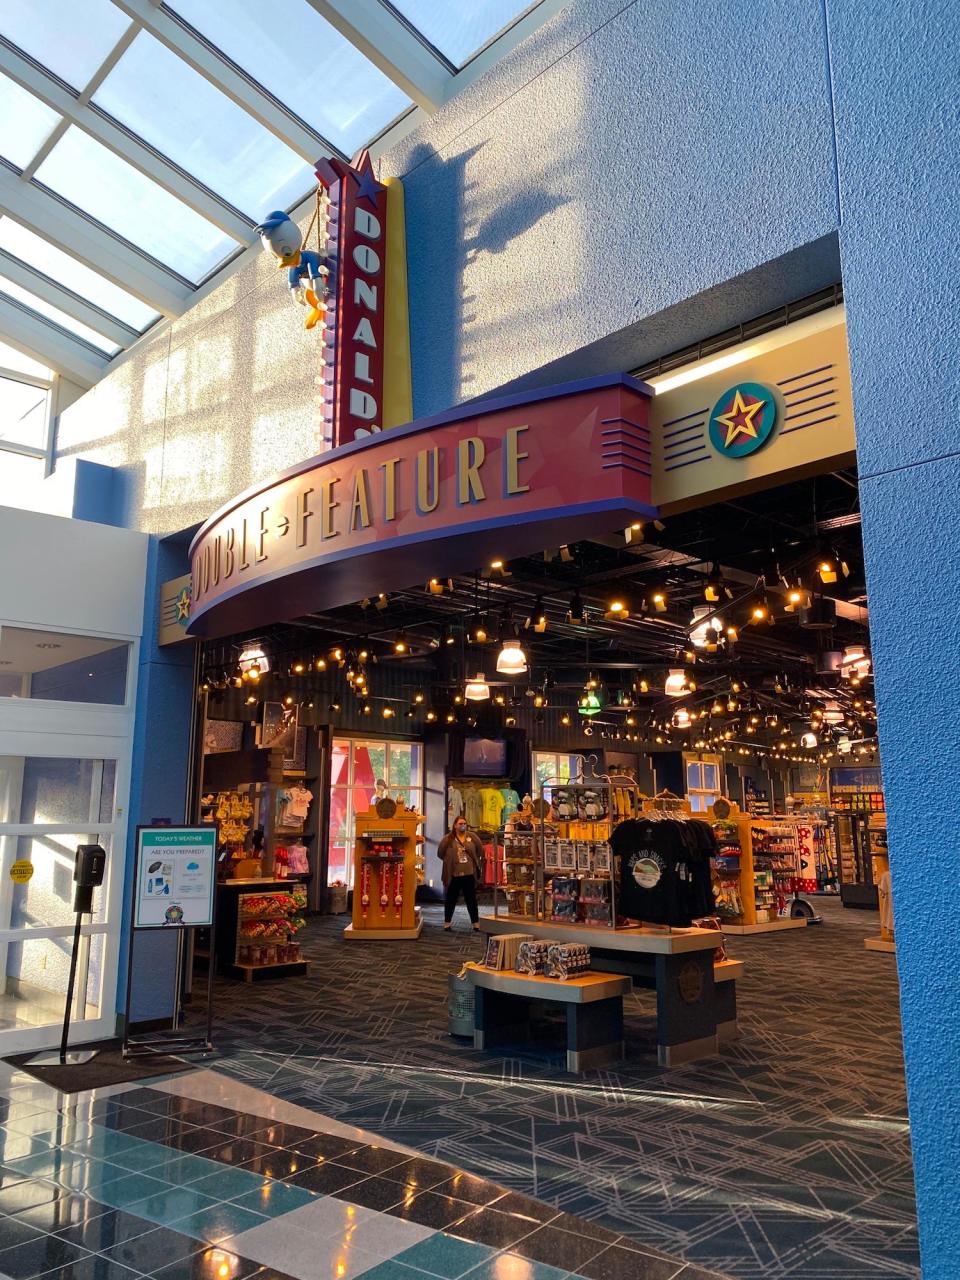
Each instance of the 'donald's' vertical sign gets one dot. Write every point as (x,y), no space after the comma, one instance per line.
(356,332)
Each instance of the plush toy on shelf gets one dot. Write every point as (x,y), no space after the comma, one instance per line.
(306,271)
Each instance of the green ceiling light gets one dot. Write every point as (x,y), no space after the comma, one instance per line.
(589,703)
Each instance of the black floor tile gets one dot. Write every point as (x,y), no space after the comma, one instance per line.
(374,1193)
(583,1227)
(152,1250)
(157,1129)
(106,1230)
(431,1210)
(282,1164)
(38,1255)
(195,1141)
(526,1207)
(92,1267)
(325,1144)
(558,1248)
(236,1151)
(141,1096)
(278,1135)
(420,1173)
(372,1159)
(499,1230)
(210,1264)
(270,1273)
(328,1179)
(205,1113)
(67,1210)
(463,1186)
(13,1232)
(617,1263)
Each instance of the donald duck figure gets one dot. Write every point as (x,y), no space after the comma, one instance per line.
(307,271)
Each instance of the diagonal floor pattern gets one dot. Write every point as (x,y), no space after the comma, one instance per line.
(786,1156)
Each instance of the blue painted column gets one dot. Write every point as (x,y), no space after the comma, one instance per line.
(161,747)
(896,87)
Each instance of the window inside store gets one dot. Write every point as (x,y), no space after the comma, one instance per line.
(704,778)
(24,426)
(357,765)
(551,767)
(52,666)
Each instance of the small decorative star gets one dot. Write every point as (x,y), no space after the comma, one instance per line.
(368,188)
(183,605)
(739,418)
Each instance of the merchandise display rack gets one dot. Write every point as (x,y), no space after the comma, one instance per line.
(757,868)
(386,849)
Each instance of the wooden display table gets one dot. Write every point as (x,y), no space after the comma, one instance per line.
(593,1005)
(677,964)
(385,873)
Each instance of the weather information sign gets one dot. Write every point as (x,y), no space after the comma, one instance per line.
(175,876)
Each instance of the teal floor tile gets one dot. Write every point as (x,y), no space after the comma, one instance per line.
(188,1169)
(103,1144)
(511,1266)
(50,1163)
(121,1193)
(146,1158)
(272,1198)
(19,1146)
(445,1256)
(218,1222)
(168,1204)
(226,1184)
(393,1270)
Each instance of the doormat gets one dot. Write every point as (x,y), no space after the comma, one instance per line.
(108,1068)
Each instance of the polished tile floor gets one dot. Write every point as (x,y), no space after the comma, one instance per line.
(200,1177)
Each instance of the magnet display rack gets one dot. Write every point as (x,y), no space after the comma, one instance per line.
(756,867)
(385,877)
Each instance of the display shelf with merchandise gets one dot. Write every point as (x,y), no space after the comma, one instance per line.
(756,872)
(257,920)
(385,876)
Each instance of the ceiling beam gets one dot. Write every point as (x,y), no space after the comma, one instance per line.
(50,344)
(129,148)
(391,46)
(58,296)
(281,123)
(93,245)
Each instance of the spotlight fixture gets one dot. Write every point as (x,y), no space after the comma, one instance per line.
(298,669)
(289,700)
(418,697)
(253,663)
(511,660)
(381,601)
(797,597)
(431,716)
(714,589)
(335,707)
(633,534)
(366,708)
(576,614)
(320,664)
(642,685)
(830,567)
(538,619)
(760,608)
(855,663)
(681,718)
(706,627)
(539,700)
(809,740)
(832,713)
(477,689)
(252,700)
(450,717)
(497,568)
(337,654)
(388,713)
(400,644)
(565,719)
(616,610)
(478,632)
(658,599)
(510,721)
(499,700)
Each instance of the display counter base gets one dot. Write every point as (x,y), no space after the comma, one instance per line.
(768,926)
(383,935)
(655,939)
(880,944)
(727,1032)
(675,1055)
(288,969)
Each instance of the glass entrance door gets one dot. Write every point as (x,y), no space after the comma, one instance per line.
(48,806)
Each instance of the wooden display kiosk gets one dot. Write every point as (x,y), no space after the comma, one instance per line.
(385,876)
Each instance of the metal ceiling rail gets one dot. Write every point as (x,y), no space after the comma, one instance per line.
(32,334)
(69,302)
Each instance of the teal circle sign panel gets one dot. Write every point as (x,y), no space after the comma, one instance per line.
(743,419)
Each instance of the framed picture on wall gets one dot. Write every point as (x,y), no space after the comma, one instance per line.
(278,727)
(295,756)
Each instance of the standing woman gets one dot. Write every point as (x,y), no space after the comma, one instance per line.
(461,853)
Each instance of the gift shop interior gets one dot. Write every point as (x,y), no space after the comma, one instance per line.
(712,666)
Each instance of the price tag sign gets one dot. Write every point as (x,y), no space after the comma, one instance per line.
(175,876)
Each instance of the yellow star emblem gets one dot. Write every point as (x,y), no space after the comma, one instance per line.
(739,418)
(183,605)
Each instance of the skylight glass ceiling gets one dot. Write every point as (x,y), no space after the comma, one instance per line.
(163,100)
(71,37)
(288,48)
(53,262)
(122,198)
(224,104)
(44,308)
(459,28)
(25,123)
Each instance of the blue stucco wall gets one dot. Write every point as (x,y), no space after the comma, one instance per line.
(896,85)
(636,177)
(158,787)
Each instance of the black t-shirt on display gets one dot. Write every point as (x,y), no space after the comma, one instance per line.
(664,870)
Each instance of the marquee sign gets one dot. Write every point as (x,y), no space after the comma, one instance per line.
(353,383)
(505,476)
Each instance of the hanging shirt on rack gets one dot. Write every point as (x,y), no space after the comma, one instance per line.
(298,803)
(493,806)
(473,807)
(649,853)
(454,804)
(511,802)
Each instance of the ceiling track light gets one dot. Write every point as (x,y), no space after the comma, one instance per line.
(477,689)
(576,614)
(511,660)
(616,610)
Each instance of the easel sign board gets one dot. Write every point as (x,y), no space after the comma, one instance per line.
(175,877)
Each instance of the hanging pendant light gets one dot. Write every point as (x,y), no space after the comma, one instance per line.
(589,703)
(511,660)
(675,685)
(477,689)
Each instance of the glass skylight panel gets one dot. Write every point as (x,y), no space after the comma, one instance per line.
(304,62)
(11,358)
(25,122)
(112,191)
(163,100)
(23,414)
(17,475)
(44,308)
(89,284)
(71,37)
(458,28)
